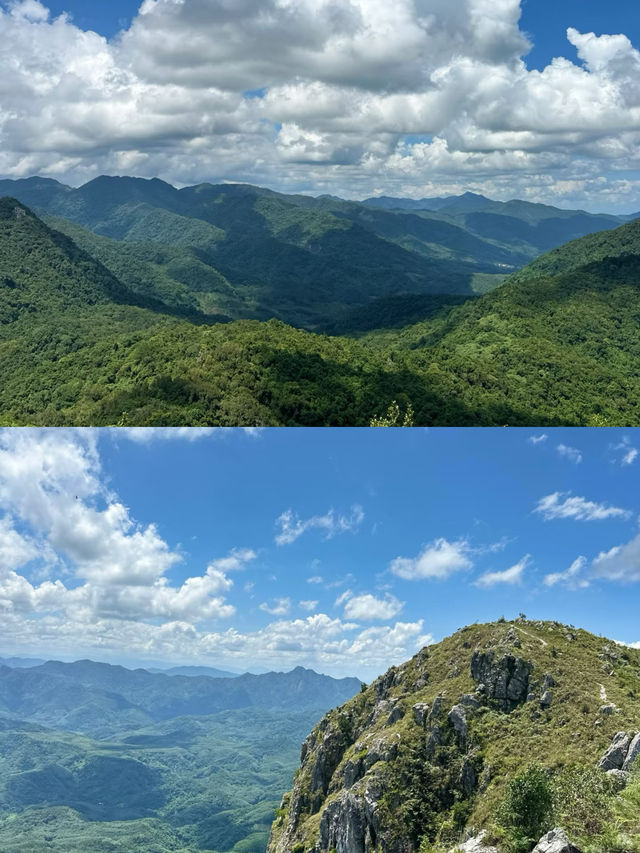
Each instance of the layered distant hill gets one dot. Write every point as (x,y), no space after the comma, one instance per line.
(249,252)
(103,758)
(92,334)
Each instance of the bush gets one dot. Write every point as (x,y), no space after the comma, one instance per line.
(526,812)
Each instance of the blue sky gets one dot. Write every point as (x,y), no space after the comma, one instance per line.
(412,98)
(343,550)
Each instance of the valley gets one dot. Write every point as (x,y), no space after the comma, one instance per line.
(128,302)
(100,757)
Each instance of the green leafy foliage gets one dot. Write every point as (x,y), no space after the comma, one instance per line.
(527,808)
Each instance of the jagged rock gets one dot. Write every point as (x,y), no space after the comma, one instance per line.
(420,711)
(632,754)
(458,720)
(437,709)
(385,682)
(548,681)
(397,714)
(469,701)
(349,824)
(513,638)
(380,750)
(328,756)
(531,697)
(614,757)
(621,777)
(468,778)
(546,699)
(506,679)
(475,844)
(383,707)
(607,709)
(555,841)
(435,738)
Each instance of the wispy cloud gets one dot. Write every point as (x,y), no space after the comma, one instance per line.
(308,605)
(571,578)
(277,607)
(438,560)
(147,435)
(538,439)
(624,452)
(566,505)
(511,576)
(291,526)
(571,453)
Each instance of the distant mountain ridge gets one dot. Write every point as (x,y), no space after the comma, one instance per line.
(241,251)
(98,698)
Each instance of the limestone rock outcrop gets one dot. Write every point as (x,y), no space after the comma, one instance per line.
(555,841)
(504,679)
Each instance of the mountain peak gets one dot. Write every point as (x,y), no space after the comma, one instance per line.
(430,747)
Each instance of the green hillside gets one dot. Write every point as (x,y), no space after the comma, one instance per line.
(117,333)
(96,757)
(500,728)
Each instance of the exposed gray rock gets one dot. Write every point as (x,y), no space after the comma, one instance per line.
(621,777)
(513,638)
(349,824)
(607,709)
(397,714)
(506,679)
(420,711)
(437,709)
(632,754)
(546,699)
(475,844)
(469,701)
(548,681)
(468,778)
(531,697)
(555,841)
(380,750)
(458,720)
(614,757)
(382,708)
(434,739)
(328,755)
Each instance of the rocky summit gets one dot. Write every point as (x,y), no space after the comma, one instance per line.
(506,736)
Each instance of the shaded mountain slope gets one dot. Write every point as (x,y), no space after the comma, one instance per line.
(429,750)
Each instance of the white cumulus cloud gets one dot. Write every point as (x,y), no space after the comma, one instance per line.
(620,563)
(438,560)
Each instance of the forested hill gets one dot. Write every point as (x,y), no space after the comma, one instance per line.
(247,252)
(80,346)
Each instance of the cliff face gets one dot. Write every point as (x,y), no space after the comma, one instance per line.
(431,744)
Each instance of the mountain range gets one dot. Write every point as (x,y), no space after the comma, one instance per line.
(129,316)
(103,758)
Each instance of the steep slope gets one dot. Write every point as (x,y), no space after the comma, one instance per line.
(586,250)
(565,348)
(430,749)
